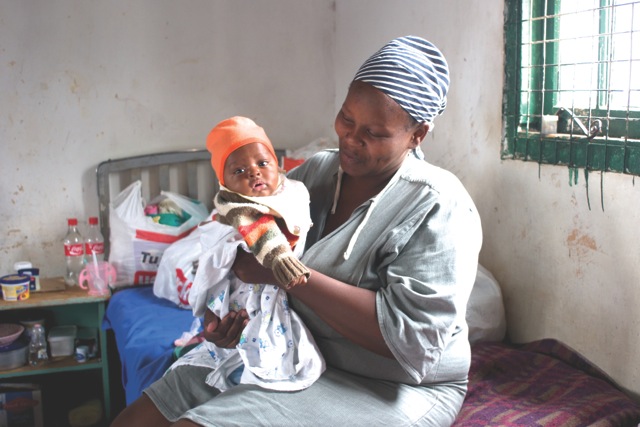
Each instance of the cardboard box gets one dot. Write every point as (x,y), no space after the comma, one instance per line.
(20,405)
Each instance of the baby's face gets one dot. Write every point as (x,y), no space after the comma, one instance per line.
(251,170)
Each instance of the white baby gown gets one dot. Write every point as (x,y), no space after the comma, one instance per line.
(277,350)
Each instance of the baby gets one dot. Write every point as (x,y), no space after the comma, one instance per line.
(267,209)
(260,209)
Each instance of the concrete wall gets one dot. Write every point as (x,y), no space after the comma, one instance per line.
(86,81)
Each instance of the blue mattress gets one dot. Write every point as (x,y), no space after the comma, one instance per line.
(145,328)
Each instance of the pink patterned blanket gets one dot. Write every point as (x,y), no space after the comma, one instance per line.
(542,383)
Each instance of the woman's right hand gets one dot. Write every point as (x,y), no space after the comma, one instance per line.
(225,333)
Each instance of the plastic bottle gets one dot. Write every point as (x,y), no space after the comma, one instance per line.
(73,252)
(93,241)
(38,346)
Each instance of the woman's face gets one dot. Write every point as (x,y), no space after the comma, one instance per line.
(251,170)
(374,132)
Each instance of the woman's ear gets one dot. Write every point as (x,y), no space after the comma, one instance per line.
(421,130)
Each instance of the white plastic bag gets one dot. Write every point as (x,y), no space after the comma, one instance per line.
(178,267)
(485,309)
(137,242)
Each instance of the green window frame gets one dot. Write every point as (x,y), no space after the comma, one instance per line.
(573,99)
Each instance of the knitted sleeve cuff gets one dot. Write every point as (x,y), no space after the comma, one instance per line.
(288,268)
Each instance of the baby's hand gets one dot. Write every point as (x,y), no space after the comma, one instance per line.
(302,280)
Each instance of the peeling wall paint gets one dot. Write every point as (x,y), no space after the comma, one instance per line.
(85,82)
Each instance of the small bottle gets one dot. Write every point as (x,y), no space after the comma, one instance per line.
(38,346)
(94,242)
(73,252)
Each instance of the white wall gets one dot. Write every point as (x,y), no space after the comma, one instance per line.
(85,81)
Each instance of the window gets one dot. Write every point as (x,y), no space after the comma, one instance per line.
(572,89)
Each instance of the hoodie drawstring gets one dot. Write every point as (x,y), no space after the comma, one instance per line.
(374,201)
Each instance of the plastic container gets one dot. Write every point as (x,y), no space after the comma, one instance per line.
(9,332)
(15,287)
(98,278)
(88,414)
(34,277)
(62,340)
(82,353)
(88,337)
(14,355)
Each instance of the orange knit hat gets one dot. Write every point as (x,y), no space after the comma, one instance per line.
(231,134)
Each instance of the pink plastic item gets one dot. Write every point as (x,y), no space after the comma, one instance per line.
(98,279)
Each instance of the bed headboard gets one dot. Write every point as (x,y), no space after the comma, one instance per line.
(186,172)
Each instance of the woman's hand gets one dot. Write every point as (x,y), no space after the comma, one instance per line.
(225,333)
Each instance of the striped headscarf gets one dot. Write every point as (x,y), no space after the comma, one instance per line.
(413,72)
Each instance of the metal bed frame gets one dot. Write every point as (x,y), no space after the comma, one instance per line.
(187,172)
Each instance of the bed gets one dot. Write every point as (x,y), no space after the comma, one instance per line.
(541,383)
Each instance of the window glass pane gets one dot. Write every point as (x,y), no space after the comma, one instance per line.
(578,51)
(634,101)
(526,80)
(634,93)
(569,6)
(574,50)
(581,19)
(621,46)
(622,17)
(526,55)
(526,8)
(576,85)
(621,80)
(619,85)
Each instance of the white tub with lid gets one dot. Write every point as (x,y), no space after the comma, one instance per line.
(62,340)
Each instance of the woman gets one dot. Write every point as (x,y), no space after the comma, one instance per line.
(393,255)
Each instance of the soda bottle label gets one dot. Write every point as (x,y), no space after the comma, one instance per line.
(97,248)
(73,250)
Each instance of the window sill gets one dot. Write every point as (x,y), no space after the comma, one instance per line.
(609,155)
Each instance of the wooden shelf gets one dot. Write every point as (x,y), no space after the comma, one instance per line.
(53,292)
(63,305)
(56,364)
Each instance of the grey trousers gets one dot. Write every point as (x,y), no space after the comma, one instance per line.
(337,398)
